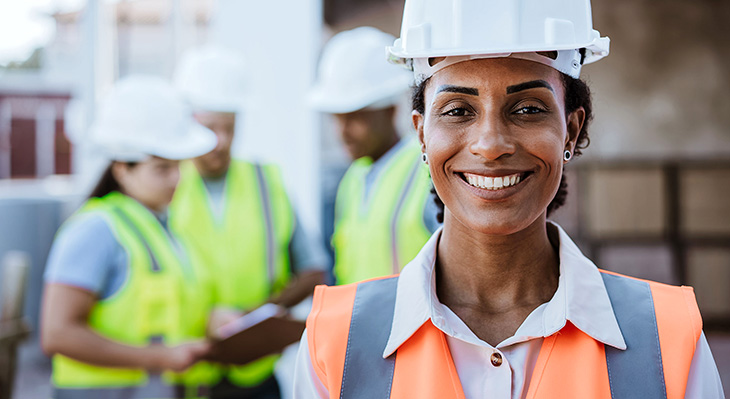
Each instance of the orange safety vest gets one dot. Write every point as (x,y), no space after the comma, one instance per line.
(349,327)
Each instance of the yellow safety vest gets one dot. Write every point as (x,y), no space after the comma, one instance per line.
(163,300)
(247,250)
(379,234)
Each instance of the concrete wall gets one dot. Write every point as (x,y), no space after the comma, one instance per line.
(281,40)
(663,91)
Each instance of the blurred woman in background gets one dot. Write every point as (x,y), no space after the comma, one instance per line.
(124,308)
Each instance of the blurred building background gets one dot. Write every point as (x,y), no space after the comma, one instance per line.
(650,197)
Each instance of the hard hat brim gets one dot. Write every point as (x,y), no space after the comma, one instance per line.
(330,101)
(198,141)
(597,48)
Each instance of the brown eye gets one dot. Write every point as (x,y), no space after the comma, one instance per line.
(529,110)
(456,111)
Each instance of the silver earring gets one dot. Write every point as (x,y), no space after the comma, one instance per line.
(567,155)
(424,158)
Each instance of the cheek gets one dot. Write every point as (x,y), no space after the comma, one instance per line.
(442,143)
(156,181)
(547,145)
(441,146)
(151,184)
(175,177)
(547,149)
(360,130)
(163,185)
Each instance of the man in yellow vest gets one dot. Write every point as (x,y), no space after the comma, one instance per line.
(239,215)
(383,212)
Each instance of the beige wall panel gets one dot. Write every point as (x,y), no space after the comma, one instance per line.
(705,201)
(709,273)
(626,202)
(651,263)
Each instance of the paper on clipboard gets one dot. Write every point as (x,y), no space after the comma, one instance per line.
(249,320)
(264,331)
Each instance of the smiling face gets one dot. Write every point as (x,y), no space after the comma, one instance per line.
(495,131)
(367,133)
(223,124)
(152,182)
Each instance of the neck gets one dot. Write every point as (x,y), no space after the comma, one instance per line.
(495,273)
(388,142)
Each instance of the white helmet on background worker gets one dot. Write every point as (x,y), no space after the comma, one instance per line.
(557,33)
(212,78)
(143,116)
(353,74)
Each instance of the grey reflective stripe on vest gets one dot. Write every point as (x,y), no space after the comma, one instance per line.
(636,372)
(396,214)
(366,374)
(269,218)
(154,389)
(153,260)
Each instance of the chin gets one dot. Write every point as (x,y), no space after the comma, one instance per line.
(494,222)
(216,168)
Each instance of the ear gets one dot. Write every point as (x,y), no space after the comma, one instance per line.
(417,118)
(574,124)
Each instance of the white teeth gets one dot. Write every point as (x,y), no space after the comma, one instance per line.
(497,182)
(492,183)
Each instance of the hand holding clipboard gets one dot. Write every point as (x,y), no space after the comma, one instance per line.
(263,331)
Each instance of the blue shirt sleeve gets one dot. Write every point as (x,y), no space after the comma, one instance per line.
(87,255)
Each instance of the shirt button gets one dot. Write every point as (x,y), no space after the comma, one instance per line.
(496,359)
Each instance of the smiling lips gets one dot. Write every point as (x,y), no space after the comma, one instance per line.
(492,183)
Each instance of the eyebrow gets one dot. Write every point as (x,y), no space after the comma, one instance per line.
(458,89)
(529,85)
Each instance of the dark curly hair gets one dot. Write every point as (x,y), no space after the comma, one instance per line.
(577,94)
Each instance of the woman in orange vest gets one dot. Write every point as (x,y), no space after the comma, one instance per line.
(500,303)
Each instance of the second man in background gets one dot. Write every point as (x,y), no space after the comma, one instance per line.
(383,212)
(239,215)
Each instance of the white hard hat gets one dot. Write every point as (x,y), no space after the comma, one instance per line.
(212,78)
(143,116)
(353,74)
(461,30)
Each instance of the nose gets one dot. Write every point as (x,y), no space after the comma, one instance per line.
(492,140)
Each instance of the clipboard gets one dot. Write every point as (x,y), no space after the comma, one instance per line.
(264,331)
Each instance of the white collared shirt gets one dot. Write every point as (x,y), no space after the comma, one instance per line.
(581,298)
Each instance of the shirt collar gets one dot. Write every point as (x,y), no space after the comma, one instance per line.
(581,297)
